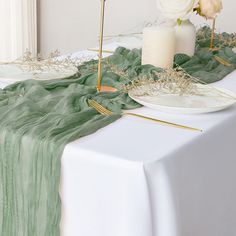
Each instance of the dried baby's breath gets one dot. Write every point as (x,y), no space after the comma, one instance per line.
(111,67)
(169,81)
(54,62)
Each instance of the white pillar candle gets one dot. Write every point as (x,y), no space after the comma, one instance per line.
(185,38)
(159,46)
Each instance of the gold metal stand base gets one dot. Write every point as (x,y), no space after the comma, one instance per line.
(214,49)
(107,89)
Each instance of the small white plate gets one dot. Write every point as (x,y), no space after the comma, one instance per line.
(188,104)
(14,73)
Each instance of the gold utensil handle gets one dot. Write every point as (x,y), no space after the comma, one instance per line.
(223,61)
(97,50)
(163,122)
(104,111)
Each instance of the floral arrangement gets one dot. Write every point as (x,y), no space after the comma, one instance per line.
(168,81)
(180,9)
(172,81)
(53,62)
(209,8)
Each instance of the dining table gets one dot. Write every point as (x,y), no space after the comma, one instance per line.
(136,177)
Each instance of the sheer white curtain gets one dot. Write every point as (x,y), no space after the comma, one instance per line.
(18,28)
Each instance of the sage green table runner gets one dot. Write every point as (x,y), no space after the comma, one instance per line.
(38,118)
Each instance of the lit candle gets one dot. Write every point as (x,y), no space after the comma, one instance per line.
(159,46)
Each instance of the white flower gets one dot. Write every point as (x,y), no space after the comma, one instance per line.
(210,8)
(177,9)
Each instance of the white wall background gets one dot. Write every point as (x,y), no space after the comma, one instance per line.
(72,25)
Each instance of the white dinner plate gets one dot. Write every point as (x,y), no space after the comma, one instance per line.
(211,101)
(14,73)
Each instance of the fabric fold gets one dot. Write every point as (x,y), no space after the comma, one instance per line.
(38,118)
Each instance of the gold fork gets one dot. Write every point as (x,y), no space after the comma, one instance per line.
(104,111)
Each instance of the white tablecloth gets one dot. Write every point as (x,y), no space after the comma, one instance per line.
(138,178)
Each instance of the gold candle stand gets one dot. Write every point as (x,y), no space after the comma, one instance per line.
(101,88)
(213,34)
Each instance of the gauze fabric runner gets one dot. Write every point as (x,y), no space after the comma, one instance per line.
(37,120)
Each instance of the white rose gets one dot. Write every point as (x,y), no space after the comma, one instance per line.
(210,8)
(177,9)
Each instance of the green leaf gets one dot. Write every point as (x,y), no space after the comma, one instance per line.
(179,21)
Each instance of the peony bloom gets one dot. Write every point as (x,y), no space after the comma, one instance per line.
(177,9)
(210,8)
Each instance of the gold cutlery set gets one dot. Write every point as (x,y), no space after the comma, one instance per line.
(104,111)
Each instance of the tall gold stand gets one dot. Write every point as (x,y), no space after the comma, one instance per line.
(101,88)
(213,34)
